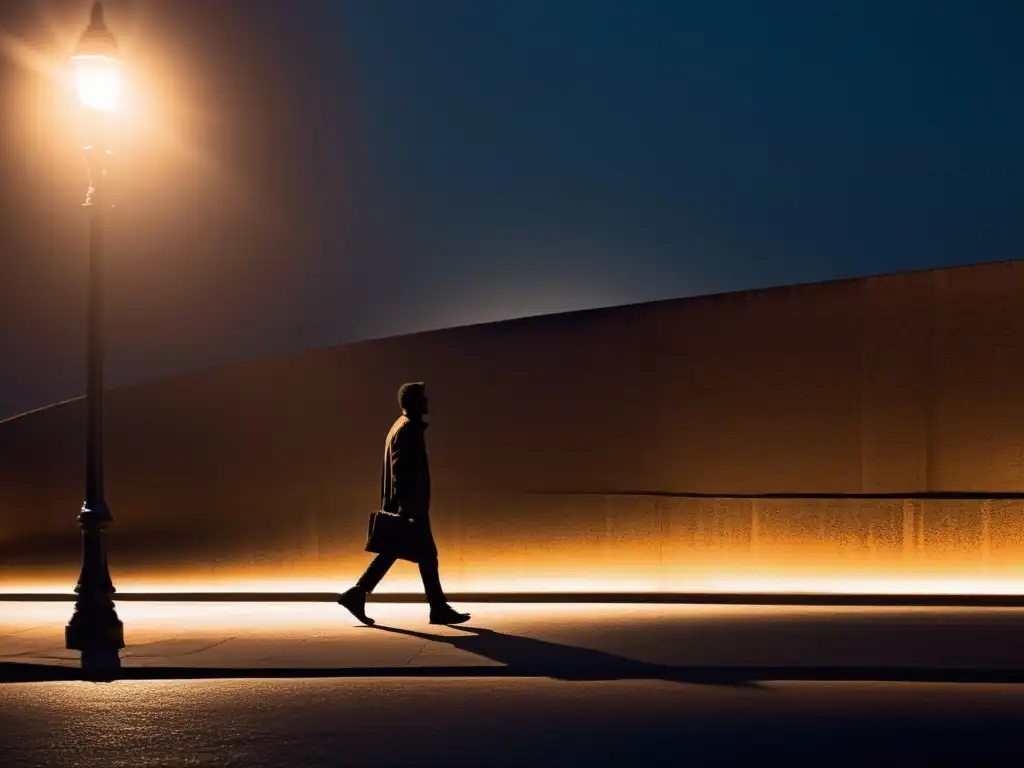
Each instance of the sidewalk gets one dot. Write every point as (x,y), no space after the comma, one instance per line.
(574,641)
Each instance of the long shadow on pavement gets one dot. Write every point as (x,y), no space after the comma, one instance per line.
(523,656)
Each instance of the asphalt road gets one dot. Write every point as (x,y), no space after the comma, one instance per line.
(506,722)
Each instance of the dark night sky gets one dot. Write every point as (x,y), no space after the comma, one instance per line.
(310,173)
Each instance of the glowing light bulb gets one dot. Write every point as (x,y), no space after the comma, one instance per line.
(98,80)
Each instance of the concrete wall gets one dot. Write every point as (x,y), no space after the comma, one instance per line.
(895,384)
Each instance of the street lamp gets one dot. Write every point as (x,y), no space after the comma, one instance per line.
(94,628)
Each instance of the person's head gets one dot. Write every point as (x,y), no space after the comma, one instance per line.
(412,398)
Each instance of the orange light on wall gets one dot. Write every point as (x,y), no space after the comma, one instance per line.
(404,580)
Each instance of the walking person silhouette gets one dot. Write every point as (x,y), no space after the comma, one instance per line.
(405,489)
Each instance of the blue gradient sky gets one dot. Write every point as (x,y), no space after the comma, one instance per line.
(458,161)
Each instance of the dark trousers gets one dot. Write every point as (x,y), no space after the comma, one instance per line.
(381,564)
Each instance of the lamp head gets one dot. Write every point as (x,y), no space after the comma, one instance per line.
(97,65)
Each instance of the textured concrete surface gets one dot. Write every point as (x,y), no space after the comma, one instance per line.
(266,470)
(501,542)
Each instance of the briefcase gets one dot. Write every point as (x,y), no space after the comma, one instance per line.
(392,534)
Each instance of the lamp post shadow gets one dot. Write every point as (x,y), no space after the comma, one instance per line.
(530,657)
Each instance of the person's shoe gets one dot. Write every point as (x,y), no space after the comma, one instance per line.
(447,615)
(354,600)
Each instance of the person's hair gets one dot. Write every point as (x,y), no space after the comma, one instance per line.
(409,394)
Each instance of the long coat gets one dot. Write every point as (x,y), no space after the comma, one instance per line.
(405,477)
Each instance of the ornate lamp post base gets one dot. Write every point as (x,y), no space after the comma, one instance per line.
(99,635)
(94,628)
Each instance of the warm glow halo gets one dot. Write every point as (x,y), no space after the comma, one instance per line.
(152,117)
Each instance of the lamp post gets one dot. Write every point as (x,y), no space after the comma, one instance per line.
(94,628)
